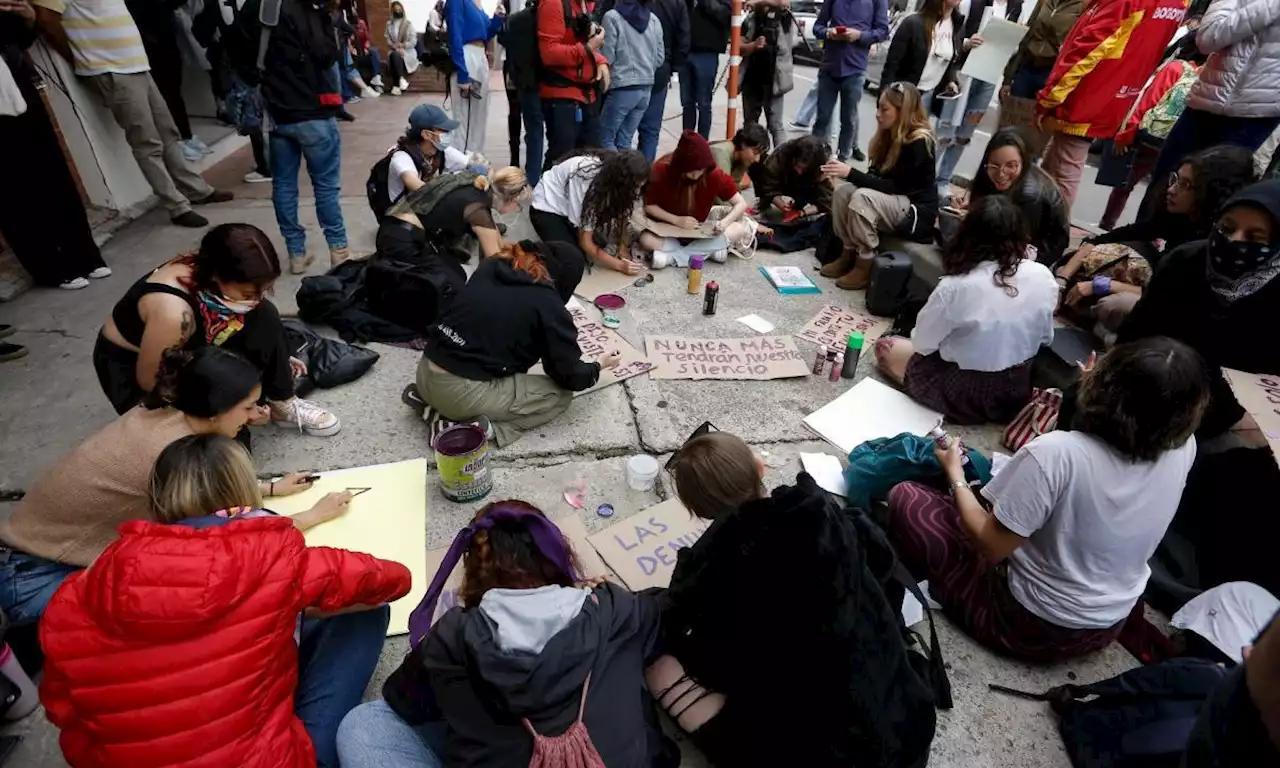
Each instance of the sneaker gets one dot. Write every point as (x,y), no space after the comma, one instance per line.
(795,126)
(661,260)
(100,273)
(720,256)
(368,93)
(376,82)
(411,397)
(299,263)
(74,284)
(338,255)
(305,416)
(354,99)
(190,219)
(191,154)
(404,84)
(216,196)
(195,143)
(856,154)
(11,351)
(253,177)
(395,91)
(7,330)
(346,116)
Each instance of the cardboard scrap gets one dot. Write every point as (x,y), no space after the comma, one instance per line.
(642,548)
(756,358)
(596,341)
(832,326)
(663,229)
(600,280)
(1259,395)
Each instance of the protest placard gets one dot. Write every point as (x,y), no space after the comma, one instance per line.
(663,229)
(642,548)
(596,341)
(1259,395)
(759,357)
(833,325)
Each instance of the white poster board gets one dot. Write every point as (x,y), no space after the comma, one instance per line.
(867,411)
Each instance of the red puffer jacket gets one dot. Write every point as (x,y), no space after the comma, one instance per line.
(176,647)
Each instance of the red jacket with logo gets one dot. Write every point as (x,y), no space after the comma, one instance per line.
(562,53)
(1104,64)
(176,647)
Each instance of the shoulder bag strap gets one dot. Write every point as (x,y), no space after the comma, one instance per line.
(940,683)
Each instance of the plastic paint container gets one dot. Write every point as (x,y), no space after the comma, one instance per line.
(462,459)
(642,472)
(609,304)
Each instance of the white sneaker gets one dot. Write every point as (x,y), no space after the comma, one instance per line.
(253,177)
(794,126)
(376,82)
(720,256)
(368,93)
(75,284)
(404,84)
(353,100)
(662,260)
(191,154)
(305,416)
(395,91)
(195,143)
(100,273)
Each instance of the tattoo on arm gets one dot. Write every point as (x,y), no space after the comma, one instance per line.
(187,325)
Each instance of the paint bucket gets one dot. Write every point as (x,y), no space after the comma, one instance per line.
(27,699)
(642,472)
(462,459)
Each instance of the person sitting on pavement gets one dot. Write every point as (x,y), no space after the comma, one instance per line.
(588,200)
(898,195)
(684,188)
(790,182)
(72,512)
(1007,168)
(534,660)
(214,635)
(1057,565)
(215,296)
(750,145)
(970,352)
(510,316)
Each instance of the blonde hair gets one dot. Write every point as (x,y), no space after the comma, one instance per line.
(912,125)
(715,474)
(509,184)
(199,475)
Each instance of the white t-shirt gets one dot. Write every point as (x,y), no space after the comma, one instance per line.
(562,189)
(976,324)
(401,161)
(940,55)
(1092,519)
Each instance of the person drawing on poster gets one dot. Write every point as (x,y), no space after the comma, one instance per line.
(684,190)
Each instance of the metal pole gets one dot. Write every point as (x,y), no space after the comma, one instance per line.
(735,60)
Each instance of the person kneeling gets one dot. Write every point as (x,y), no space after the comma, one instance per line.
(206,641)
(1055,567)
(682,191)
(508,317)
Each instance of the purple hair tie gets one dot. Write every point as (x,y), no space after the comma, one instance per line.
(546,536)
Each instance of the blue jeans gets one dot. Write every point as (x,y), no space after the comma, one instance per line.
(697,82)
(849,90)
(374,736)
(1028,81)
(651,122)
(808,108)
(954,137)
(336,660)
(624,108)
(27,583)
(320,143)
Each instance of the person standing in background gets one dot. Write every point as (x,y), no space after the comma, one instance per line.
(573,75)
(708,39)
(470,29)
(849,29)
(1104,65)
(769,35)
(924,51)
(402,42)
(634,49)
(674,16)
(524,102)
(155,22)
(1047,29)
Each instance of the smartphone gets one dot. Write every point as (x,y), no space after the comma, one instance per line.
(842,31)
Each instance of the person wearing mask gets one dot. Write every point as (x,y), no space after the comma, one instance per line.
(534,661)
(588,201)
(365,56)
(848,29)
(970,353)
(634,49)
(708,40)
(402,44)
(674,16)
(354,87)
(769,35)
(1008,169)
(72,512)
(510,316)
(419,155)
(1050,567)
(1091,88)
(251,607)
(750,145)
(925,50)
(683,189)
(1030,66)
(101,41)
(470,30)
(216,297)
(574,74)
(66,255)
(898,194)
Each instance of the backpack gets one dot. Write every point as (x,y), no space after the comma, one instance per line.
(571,749)
(244,103)
(877,465)
(519,38)
(377,190)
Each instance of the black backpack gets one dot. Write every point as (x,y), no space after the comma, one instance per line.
(376,188)
(519,38)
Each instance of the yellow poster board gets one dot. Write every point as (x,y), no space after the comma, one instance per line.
(388,521)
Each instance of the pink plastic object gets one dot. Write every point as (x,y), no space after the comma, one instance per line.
(575,495)
(610,301)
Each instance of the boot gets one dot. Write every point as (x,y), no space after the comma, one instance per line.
(299,263)
(840,266)
(859,277)
(338,255)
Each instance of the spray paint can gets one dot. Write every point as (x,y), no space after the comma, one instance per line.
(943,441)
(820,360)
(836,366)
(695,273)
(710,298)
(851,352)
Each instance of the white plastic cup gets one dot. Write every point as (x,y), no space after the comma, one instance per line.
(642,472)
(28,698)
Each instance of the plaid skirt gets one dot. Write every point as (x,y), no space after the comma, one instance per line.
(967,397)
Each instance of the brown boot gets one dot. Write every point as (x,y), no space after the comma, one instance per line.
(840,266)
(858,278)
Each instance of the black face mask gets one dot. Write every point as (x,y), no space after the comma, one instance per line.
(397,14)
(1233,259)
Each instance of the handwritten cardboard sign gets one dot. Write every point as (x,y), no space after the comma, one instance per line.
(758,358)
(599,280)
(642,549)
(596,341)
(663,229)
(572,528)
(833,325)
(1259,395)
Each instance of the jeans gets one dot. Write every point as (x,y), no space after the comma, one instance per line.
(849,91)
(339,73)
(570,125)
(953,139)
(651,122)
(336,660)
(772,108)
(374,736)
(534,134)
(808,108)
(1028,81)
(319,142)
(27,584)
(697,82)
(623,110)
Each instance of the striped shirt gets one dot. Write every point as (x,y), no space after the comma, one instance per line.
(104,38)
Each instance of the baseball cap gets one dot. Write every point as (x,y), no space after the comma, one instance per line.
(430,117)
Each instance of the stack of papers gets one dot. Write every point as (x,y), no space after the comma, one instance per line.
(790,280)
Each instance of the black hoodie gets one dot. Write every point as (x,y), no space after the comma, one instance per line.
(503,322)
(297,80)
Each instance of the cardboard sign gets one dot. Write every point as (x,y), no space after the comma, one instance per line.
(601,280)
(662,229)
(572,528)
(596,341)
(1259,395)
(642,548)
(758,358)
(833,325)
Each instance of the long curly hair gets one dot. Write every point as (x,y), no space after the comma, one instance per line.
(617,182)
(992,230)
(912,125)
(506,556)
(1220,172)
